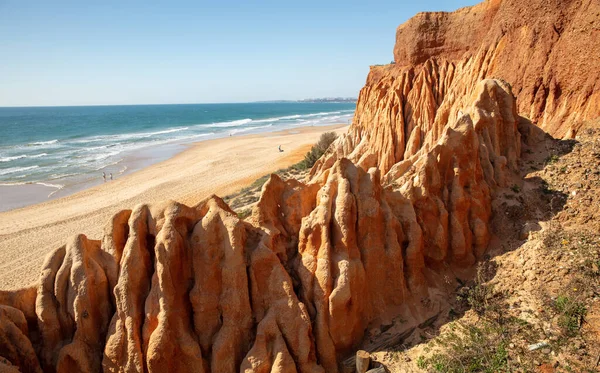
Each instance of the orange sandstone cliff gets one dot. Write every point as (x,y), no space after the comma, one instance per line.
(404,197)
(546,50)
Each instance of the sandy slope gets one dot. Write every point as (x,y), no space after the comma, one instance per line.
(218,166)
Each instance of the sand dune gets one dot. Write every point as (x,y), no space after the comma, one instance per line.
(220,166)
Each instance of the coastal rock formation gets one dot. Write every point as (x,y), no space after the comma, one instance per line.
(405,195)
(293,289)
(543,49)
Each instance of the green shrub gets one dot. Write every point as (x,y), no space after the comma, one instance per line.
(552,159)
(571,314)
(479,295)
(316,151)
(470,348)
(244,213)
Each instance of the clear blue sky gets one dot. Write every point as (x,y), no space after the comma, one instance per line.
(133,52)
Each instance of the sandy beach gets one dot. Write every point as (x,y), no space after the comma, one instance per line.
(219,167)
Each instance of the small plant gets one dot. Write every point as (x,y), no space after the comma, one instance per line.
(515,188)
(470,348)
(478,295)
(244,214)
(571,314)
(546,189)
(421,362)
(593,267)
(552,159)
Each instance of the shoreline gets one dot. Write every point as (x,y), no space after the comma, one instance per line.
(22,195)
(220,166)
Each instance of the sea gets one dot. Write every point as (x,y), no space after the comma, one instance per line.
(70,147)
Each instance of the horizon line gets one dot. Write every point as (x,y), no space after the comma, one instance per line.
(300,101)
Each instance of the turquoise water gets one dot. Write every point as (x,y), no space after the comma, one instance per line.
(54,146)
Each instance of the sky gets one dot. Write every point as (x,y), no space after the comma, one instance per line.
(133,52)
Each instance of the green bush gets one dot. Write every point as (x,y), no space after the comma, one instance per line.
(469,348)
(316,151)
(571,314)
(479,296)
(551,159)
(244,213)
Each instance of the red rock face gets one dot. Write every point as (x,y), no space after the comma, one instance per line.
(408,191)
(543,48)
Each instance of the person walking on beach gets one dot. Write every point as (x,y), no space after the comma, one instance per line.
(111,175)
(104,176)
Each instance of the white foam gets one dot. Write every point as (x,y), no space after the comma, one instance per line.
(125,136)
(277,119)
(13,170)
(61,176)
(8,159)
(110,164)
(148,134)
(296,116)
(186,138)
(233,123)
(41,143)
(233,132)
(322,114)
(14,158)
(57,186)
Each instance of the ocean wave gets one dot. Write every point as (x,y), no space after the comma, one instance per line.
(277,119)
(148,134)
(296,116)
(178,139)
(233,123)
(322,114)
(13,170)
(57,186)
(14,158)
(103,156)
(42,143)
(125,136)
(61,176)
(233,132)
(8,159)
(109,164)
